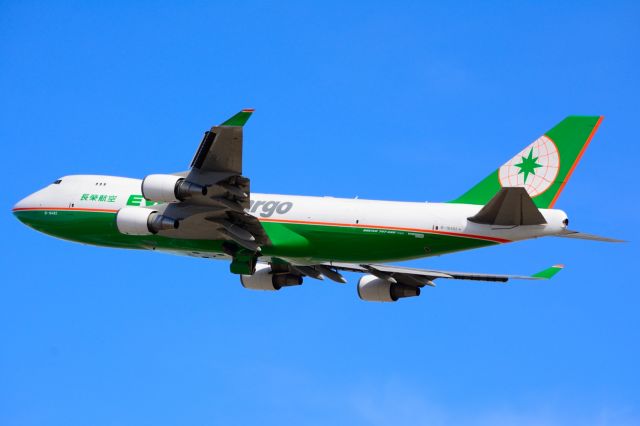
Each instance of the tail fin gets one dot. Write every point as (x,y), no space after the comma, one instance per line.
(544,167)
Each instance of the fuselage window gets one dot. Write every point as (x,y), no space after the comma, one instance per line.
(57,182)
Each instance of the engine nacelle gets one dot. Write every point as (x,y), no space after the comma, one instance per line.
(264,279)
(141,221)
(374,289)
(170,188)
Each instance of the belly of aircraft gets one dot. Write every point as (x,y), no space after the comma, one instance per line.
(312,241)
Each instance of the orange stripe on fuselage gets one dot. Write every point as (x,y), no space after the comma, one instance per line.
(302,222)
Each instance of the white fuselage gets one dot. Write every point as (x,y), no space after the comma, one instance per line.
(412,219)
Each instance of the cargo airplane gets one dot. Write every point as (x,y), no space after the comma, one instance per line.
(275,241)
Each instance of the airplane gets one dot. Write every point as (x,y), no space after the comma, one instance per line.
(275,241)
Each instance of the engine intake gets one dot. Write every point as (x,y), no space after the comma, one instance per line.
(374,289)
(141,221)
(264,279)
(170,188)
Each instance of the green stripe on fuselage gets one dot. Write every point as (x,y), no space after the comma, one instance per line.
(313,241)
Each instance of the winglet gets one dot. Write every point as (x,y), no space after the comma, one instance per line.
(239,119)
(548,273)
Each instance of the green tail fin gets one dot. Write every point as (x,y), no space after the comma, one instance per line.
(544,167)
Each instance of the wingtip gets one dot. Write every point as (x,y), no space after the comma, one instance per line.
(548,273)
(240,119)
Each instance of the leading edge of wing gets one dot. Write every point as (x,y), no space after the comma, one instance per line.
(431,274)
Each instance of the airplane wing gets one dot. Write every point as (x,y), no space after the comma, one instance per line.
(411,276)
(220,214)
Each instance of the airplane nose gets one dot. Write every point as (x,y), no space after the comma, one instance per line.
(22,206)
(25,203)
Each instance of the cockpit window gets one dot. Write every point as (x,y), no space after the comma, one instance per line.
(57,181)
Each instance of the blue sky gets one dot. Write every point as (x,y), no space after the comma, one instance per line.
(400,101)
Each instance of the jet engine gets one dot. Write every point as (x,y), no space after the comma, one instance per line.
(170,188)
(264,279)
(374,289)
(140,221)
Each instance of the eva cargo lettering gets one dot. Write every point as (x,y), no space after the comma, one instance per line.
(268,208)
(263,208)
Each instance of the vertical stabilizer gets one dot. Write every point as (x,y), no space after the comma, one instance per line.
(544,167)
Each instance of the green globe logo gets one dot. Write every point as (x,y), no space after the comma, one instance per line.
(534,168)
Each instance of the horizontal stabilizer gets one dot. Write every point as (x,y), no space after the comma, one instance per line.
(511,206)
(583,236)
